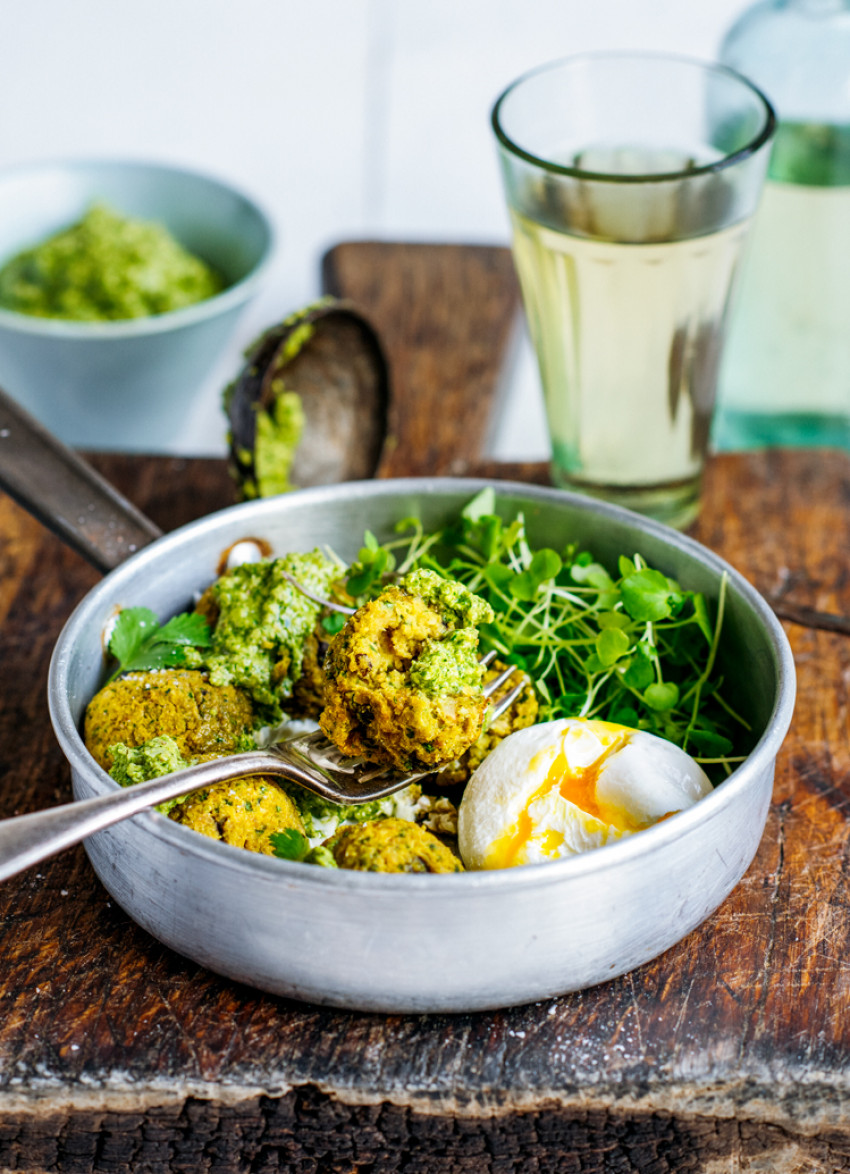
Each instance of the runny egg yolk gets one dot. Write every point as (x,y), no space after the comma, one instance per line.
(574,776)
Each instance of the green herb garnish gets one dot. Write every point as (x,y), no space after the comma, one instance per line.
(290,844)
(333,623)
(139,643)
(372,563)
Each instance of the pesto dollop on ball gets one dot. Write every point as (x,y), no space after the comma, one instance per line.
(403,678)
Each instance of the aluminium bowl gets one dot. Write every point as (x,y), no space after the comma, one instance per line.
(126,384)
(427,943)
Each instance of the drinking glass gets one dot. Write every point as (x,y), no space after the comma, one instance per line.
(631,180)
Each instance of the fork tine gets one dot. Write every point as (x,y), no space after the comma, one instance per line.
(312,760)
(504,703)
(491,687)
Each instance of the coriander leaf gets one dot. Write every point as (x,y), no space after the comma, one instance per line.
(497,575)
(545,565)
(289,844)
(188,628)
(490,536)
(625,715)
(139,644)
(372,563)
(646,594)
(132,627)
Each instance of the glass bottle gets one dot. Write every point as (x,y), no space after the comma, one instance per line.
(785,377)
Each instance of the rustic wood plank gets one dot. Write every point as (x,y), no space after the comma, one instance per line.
(734,1046)
(729,1053)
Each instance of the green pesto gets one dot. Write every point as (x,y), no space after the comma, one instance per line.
(322,856)
(276,439)
(448,666)
(106,267)
(295,341)
(153,759)
(263,622)
(321,818)
(457,605)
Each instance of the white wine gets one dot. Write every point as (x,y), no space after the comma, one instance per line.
(631,182)
(628,339)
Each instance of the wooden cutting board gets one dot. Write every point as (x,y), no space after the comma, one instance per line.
(731,1053)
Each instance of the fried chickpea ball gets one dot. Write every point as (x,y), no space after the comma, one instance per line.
(202,718)
(242,812)
(403,689)
(308,692)
(390,845)
(522,713)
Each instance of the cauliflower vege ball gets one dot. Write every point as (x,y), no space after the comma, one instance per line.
(403,680)
(202,718)
(522,713)
(391,845)
(243,812)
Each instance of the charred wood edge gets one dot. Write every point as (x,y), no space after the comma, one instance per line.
(319,1132)
(804,1107)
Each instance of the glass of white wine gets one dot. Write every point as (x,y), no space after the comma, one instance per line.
(631,180)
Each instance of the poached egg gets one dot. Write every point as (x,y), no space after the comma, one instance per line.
(565,787)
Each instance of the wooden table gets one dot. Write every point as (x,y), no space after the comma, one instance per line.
(730,1053)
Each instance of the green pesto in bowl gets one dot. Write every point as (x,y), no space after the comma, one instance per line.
(106,267)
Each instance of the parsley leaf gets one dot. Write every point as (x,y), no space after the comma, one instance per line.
(139,643)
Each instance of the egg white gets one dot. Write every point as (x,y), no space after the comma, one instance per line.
(514,812)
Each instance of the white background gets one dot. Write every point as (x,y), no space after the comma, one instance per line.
(345,119)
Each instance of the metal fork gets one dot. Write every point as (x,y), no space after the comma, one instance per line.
(309,759)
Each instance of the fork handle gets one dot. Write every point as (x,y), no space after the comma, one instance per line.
(28,839)
(65,493)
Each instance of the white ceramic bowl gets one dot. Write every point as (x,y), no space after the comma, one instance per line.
(411,943)
(125,384)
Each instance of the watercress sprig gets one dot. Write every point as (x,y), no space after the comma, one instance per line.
(630,646)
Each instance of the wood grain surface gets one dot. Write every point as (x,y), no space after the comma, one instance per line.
(730,1053)
(445,315)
